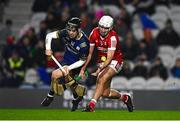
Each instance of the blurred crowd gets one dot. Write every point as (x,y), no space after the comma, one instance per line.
(24,63)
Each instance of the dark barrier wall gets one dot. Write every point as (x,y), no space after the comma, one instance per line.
(145,100)
(25,98)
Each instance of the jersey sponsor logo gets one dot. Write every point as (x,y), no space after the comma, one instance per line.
(83,44)
(103,50)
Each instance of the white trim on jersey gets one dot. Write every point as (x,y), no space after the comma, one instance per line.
(92,44)
(113,43)
(112,48)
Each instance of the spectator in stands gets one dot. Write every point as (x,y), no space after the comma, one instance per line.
(42,30)
(123,23)
(41,5)
(175,2)
(126,70)
(162,2)
(32,36)
(129,5)
(168,36)
(129,46)
(175,71)
(6,32)
(158,69)
(38,55)
(31,78)
(65,16)
(86,23)
(51,21)
(25,50)
(56,7)
(146,6)
(79,7)
(2,76)
(15,69)
(6,51)
(147,48)
(1,10)
(140,68)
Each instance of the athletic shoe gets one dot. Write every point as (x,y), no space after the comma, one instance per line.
(129,104)
(47,101)
(88,109)
(76,103)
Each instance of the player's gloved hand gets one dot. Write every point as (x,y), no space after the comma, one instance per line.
(66,70)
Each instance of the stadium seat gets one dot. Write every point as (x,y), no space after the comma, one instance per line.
(172,84)
(119,82)
(155,32)
(166,49)
(177,51)
(138,33)
(136,25)
(175,17)
(176,25)
(167,54)
(26,86)
(36,19)
(137,83)
(31,76)
(162,9)
(154,83)
(175,9)
(167,60)
(159,17)
(43,86)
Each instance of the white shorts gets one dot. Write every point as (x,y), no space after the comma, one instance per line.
(115,65)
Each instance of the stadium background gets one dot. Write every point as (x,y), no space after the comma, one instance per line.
(151,72)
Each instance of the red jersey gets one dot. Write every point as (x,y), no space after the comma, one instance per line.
(111,42)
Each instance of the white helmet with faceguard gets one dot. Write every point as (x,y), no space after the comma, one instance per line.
(105,25)
(106,21)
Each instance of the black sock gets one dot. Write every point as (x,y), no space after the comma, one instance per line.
(75,95)
(51,93)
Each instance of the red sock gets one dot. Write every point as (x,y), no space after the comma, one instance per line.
(124,98)
(92,103)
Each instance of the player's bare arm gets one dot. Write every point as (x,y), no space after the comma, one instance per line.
(91,50)
(110,55)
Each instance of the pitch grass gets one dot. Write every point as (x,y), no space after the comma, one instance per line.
(65,114)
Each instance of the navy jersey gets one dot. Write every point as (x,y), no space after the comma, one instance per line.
(74,49)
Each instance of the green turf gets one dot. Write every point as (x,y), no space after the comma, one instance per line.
(64,114)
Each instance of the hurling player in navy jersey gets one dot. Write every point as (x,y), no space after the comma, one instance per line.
(76,52)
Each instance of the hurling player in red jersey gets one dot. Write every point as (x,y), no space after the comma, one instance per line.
(109,63)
